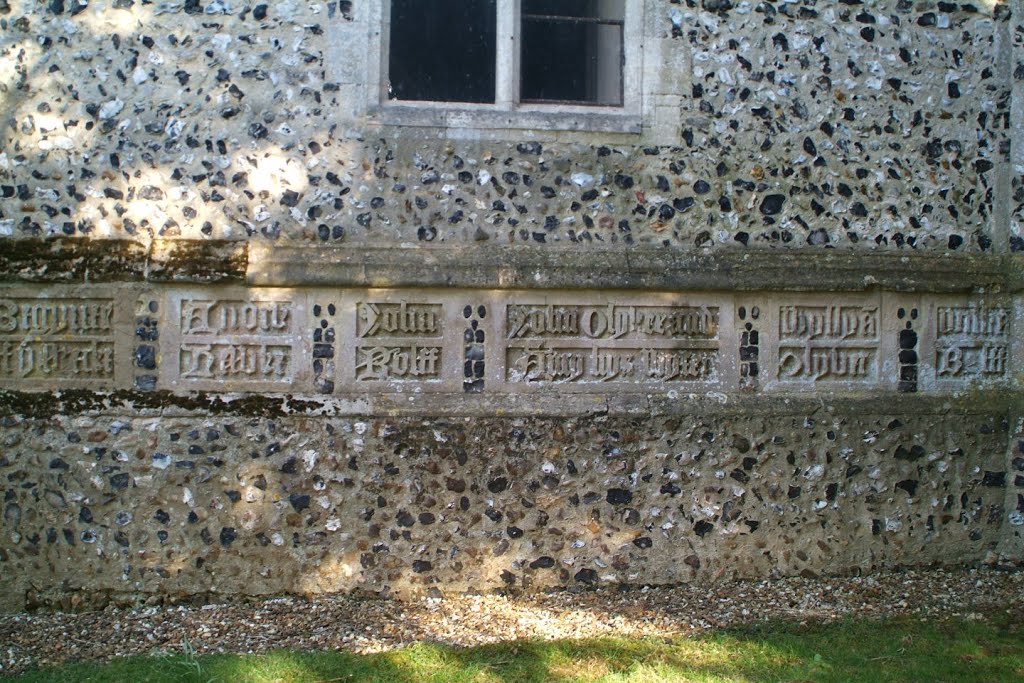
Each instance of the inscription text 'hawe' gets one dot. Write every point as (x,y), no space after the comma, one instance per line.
(265,362)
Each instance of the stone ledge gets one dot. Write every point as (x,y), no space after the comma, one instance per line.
(167,404)
(79,260)
(661,269)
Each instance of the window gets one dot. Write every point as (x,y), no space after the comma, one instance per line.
(547,64)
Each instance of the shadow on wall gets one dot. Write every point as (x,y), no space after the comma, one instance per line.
(145,131)
(131,120)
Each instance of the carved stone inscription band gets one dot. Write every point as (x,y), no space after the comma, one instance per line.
(336,342)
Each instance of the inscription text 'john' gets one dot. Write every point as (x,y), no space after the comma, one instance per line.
(612,322)
(399,320)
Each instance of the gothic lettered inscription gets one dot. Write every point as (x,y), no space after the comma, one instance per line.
(65,340)
(828,343)
(971,342)
(228,344)
(398,342)
(607,344)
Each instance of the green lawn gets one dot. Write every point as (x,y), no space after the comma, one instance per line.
(896,650)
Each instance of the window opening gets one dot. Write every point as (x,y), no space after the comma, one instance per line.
(572,52)
(443,51)
(569,51)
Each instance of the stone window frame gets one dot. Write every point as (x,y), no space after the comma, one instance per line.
(352,58)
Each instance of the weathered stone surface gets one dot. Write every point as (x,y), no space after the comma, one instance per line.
(538,268)
(263,331)
(235,504)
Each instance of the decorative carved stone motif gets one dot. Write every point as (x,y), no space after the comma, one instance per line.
(908,356)
(147,334)
(474,350)
(324,336)
(749,347)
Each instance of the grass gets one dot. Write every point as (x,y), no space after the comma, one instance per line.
(953,651)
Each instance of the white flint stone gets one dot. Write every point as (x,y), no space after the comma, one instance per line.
(111,109)
(221,41)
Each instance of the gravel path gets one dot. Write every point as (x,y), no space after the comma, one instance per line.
(372,625)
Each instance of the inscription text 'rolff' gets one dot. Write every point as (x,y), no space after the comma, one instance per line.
(398,362)
(831,342)
(972,342)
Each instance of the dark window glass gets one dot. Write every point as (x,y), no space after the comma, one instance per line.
(442,50)
(572,51)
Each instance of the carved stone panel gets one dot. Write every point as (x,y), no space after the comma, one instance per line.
(229,340)
(62,338)
(828,343)
(591,344)
(400,341)
(969,341)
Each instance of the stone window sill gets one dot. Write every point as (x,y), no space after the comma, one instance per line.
(487,117)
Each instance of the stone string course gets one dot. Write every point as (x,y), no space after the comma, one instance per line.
(347,341)
(255,338)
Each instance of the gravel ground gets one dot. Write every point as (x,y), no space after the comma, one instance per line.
(373,625)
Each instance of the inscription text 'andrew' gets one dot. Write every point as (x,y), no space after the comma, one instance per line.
(235,317)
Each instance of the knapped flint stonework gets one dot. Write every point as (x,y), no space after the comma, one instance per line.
(235,504)
(263,332)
